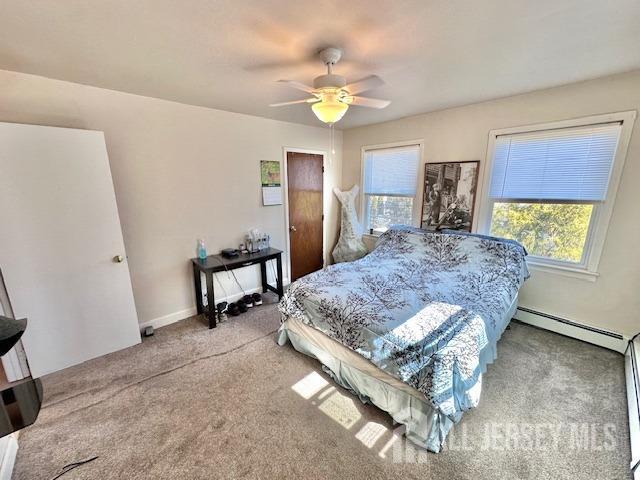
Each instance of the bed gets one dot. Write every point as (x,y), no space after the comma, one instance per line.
(412,326)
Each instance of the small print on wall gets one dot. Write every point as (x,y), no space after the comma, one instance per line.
(271,184)
(449,195)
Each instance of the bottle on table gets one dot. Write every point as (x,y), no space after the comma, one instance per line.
(202,250)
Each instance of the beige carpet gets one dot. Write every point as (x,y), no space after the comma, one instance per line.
(190,403)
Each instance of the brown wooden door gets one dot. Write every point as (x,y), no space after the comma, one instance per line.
(304,176)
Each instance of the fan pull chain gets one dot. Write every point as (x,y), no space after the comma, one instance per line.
(333,149)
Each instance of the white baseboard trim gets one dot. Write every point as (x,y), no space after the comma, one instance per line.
(10,447)
(190,312)
(603,338)
(169,319)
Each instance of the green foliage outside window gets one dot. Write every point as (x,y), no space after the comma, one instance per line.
(557,231)
(385,211)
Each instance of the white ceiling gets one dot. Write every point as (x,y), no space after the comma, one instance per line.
(228,54)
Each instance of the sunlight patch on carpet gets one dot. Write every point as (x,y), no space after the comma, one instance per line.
(341,408)
(309,385)
(371,433)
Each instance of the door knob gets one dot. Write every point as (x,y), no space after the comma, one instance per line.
(118,259)
(293,228)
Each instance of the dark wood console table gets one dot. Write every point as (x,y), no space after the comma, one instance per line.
(217,263)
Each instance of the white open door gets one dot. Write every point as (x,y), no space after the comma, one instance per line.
(59,234)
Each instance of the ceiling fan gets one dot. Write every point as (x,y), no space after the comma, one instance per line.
(331,95)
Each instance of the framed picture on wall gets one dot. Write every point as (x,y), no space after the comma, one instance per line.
(449,195)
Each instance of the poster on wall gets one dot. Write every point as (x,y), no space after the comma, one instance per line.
(449,195)
(271,183)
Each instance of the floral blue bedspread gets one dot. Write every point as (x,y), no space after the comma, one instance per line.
(421,306)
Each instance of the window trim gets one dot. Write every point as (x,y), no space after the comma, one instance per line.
(417,200)
(601,216)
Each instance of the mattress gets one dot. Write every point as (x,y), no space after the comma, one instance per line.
(357,361)
(424,425)
(348,356)
(425,308)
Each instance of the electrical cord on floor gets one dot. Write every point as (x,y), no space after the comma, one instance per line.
(67,468)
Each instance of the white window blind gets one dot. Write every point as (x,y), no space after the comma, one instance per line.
(570,164)
(391,171)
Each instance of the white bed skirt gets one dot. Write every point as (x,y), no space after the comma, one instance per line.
(425,426)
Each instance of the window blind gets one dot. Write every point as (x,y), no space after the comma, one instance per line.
(391,171)
(571,164)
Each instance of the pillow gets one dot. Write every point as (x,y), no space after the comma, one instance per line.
(485,237)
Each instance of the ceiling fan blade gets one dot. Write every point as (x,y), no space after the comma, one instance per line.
(367,83)
(298,85)
(366,102)
(293,102)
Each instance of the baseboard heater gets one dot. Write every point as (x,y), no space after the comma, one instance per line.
(632,356)
(586,333)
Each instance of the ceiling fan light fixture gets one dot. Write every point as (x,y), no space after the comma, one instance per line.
(332,93)
(330,109)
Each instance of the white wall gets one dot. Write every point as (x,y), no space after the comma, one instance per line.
(613,301)
(183,172)
(180,173)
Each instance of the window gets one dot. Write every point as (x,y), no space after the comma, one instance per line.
(551,188)
(390,177)
(549,230)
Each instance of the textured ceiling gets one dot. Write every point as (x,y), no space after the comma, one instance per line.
(228,54)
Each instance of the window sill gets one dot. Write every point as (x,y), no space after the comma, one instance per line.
(563,270)
(372,235)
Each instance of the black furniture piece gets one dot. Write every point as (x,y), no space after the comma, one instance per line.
(217,263)
(11,330)
(20,401)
